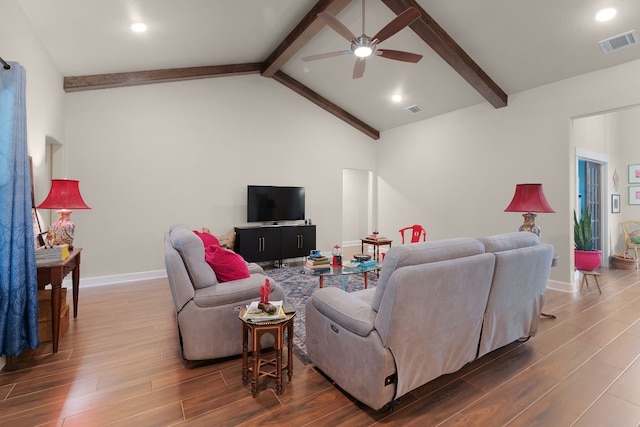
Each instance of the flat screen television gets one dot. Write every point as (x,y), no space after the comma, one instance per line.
(267,203)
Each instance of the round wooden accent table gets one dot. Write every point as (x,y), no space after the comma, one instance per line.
(271,367)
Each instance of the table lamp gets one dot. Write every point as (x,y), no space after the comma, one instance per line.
(64,196)
(529,198)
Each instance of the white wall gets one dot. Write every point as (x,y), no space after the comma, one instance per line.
(150,156)
(184,152)
(625,151)
(464,165)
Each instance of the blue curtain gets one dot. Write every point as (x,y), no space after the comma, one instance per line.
(18,274)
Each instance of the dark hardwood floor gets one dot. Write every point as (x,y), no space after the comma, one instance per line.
(119,364)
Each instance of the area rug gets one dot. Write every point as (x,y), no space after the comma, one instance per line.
(298,287)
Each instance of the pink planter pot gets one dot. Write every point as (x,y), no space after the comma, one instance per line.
(587,260)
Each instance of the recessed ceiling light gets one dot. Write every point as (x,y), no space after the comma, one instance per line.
(396,98)
(139,27)
(606,14)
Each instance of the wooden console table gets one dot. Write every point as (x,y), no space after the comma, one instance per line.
(52,273)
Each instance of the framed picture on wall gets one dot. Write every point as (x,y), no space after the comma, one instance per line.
(634,174)
(615,203)
(634,194)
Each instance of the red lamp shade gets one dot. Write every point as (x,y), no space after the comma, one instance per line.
(529,198)
(64,194)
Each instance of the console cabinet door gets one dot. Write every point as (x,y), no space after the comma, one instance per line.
(297,241)
(258,243)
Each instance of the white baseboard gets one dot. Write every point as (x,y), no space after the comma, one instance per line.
(562,286)
(117,278)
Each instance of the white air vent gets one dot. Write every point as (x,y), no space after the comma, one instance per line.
(619,42)
(413,109)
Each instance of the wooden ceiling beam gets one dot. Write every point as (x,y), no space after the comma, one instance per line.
(306,29)
(437,38)
(111,80)
(325,104)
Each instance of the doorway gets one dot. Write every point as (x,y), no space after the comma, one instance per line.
(590,197)
(592,193)
(357,205)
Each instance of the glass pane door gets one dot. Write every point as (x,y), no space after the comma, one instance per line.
(590,191)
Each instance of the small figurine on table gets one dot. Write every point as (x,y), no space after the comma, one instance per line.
(264,305)
(49,238)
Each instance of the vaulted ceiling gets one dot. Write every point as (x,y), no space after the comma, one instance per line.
(473,51)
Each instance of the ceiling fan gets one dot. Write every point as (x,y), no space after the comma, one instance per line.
(365,46)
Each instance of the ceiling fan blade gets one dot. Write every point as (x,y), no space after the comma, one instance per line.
(358,69)
(399,55)
(337,26)
(326,55)
(400,21)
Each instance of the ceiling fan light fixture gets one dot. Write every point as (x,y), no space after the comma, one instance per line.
(362,47)
(365,46)
(363,51)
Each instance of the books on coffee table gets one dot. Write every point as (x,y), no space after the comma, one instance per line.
(318,263)
(367,264)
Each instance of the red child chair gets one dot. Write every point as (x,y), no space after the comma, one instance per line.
(417,231)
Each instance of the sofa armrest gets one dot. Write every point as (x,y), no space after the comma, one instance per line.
(255,268)
(348,311)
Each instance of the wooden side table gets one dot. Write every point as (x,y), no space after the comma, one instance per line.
(259,365)
(376,243)
(53,273)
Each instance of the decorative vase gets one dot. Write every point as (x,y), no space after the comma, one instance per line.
(587,260)
(63,229)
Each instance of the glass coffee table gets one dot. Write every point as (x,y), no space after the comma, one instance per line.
(343,272)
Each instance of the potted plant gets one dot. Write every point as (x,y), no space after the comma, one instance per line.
(585,257)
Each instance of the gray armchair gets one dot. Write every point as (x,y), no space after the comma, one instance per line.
(207,311)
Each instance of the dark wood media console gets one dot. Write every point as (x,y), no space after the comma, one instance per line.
(274,242)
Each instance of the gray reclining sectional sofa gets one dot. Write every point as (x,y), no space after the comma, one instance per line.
(437,306)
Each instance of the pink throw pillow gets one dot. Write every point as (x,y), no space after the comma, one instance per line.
(207,238)
(227,264)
